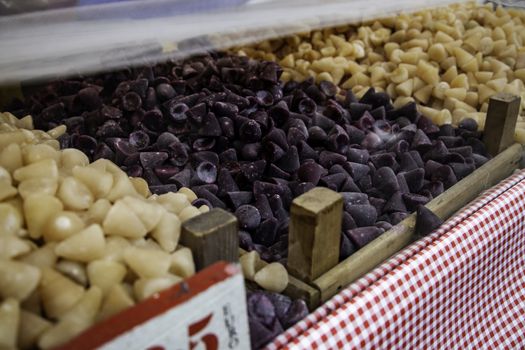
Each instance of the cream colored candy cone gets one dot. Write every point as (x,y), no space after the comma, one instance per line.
(105,274)
(42,257)
(272,277)
(146,287)
(147,263)
(58,293)
(17,280)
(167,231)
(249,263)
(11,246)
(122,221)
(9,322)
(148,212)
(80,317)
(116,300)
(30,329)
(85,246)
(38,209)
(182,263)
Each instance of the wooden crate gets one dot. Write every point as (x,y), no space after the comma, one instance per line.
(316,277)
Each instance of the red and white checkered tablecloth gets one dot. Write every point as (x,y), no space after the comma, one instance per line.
(461,287)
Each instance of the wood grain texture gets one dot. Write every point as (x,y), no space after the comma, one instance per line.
(212,237)
(501,121)
(444,206)
(315,233)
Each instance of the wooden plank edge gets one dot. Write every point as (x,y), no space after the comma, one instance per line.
(390,242)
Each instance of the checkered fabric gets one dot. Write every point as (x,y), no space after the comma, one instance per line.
(461,287)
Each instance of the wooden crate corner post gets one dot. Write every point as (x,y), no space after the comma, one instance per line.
(502,116)
(212,236)
(315,233)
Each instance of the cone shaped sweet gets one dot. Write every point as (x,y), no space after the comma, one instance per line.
(46,168)
(249,263)
(173,202)
(272,277)
(116,300)
(11,246)
(77,319)
(30,329)
(147,263)
(85,246)
(122,221)
(148,212)
(363,215)
(426,221)
(38,209)
(58,293)
(97,181)
(10,320)
(62,225)
(105,274)
(395,203)
(122,186)
(361,236)
(17,280)
(10,219)
(167,231)
(146,287)
(42,257)
(182,263)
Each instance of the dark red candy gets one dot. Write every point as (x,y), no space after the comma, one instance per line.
(213,199)
(297,311)
(225,109)
(295,136)
(395,203)
(365,183)
(338,139)
(354,198)
(306,152)
(383,225)
(372,141)
(378,203)
(396,218)
(357,155)
(176,112)
(327,159)
(317,136)
(236,199)
(414,179)
(279,113)
(182,178)
(87,99)
(103,151)
(290,161)
(435,188)
(357,109)
(431,167)
(385,180)
(310,172)
(152,159)
(263,205)
(153,120)
(348,221)
(298,188)
(346,247)
(245,240)
(427,126)
(355,135)
(274,171)
(162,189)
(477,146)
(178,153)
(334,181)
(379,113)
(462,170)
(165,172)
(210,126)
(226,182)
(451,141)
(447,130)
(366,122)
(363,215)
(356,170)
(266,232)
(417,158)
(165,91)
(479,160)
(253,171)
(151,178)
(437,152)
(323,122)
(407,163)
(446,175)
(403,186)
(465,151)
(251,151)
(135,171)
(468,124)
(337,169)
(420,139)
(278,137)
(350,186)
(412,201)
(361,236)
(384,160)
(204,156)
(426,221)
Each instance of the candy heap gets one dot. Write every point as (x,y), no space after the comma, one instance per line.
(228,129)
(79,241)
(449,60)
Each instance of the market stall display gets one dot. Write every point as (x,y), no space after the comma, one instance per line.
(310,162)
